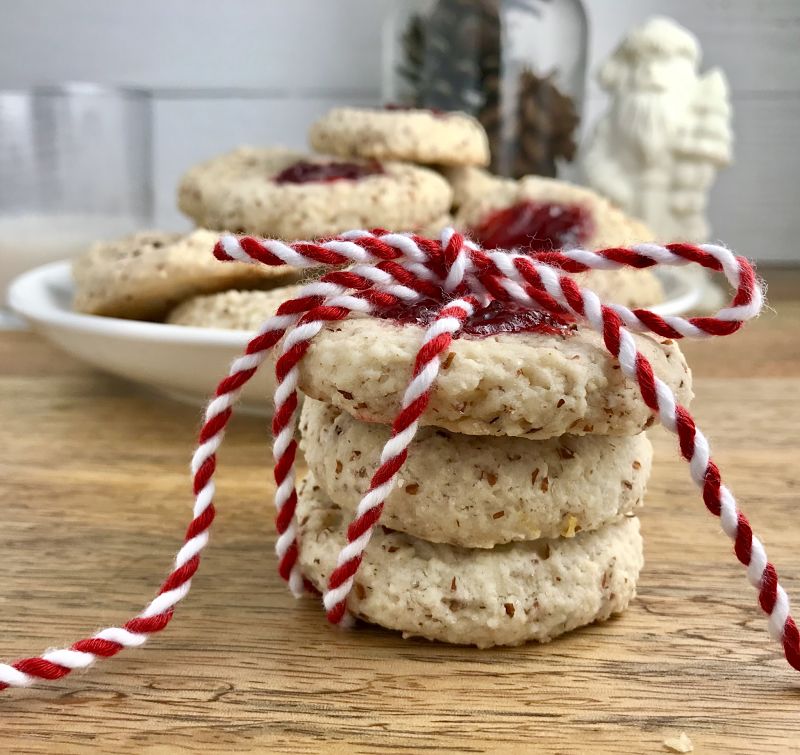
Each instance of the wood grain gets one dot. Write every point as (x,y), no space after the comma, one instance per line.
(95,491)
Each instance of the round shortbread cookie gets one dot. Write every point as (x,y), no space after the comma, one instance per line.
(231,310)
(417,136)
(506,595)
(469,183)
(478,492)
(507,214)
(572,216)
(531,384)
(277,193)
(145,275)
(626,286)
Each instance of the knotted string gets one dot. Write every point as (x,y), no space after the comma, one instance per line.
(392,269)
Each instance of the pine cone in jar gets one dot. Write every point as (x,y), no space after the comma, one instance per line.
(452,61)
(546,124)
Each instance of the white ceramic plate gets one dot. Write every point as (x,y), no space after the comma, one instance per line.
(184,362)
(188,362)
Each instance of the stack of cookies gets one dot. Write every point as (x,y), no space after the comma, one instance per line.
(514,516)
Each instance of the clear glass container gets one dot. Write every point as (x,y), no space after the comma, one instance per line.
(519,66)
(75,167)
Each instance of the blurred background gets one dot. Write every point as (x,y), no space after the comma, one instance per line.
(220,74)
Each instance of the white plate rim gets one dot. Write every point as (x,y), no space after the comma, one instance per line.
(28,298)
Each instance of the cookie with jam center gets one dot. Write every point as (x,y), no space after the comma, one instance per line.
(283,194)
(508,595)
(537,214)
(511,372)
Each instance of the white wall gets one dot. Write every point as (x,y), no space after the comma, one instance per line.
(302,56)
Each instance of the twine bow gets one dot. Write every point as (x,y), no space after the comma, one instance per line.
(390,269)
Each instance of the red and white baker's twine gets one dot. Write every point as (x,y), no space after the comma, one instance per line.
(386,269)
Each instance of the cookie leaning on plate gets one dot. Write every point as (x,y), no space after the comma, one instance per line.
(413,135)
(506,595)
(510,374)
(478,492)
(145,275)
(288,195)
(231,310)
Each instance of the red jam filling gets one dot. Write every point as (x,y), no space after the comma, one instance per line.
(303,172)
(535,227)
(494,319)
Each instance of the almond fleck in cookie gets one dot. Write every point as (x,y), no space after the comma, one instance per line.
(506,595)
(414,135)
(512,372)
(231,310)
(145,275)
(287,195)
(478,492)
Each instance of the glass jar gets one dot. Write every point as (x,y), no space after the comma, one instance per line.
(76,162)
(519,66)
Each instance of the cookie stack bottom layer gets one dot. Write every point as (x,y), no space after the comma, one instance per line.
(493,540)
(505,595)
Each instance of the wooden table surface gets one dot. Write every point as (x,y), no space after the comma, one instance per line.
(95,499)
